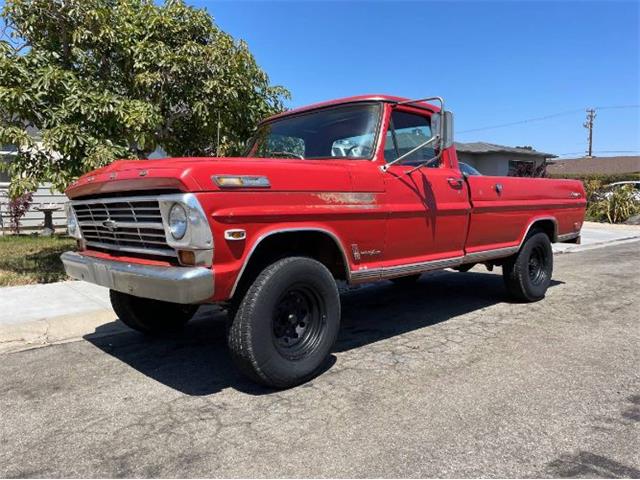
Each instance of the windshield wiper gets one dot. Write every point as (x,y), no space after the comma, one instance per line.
(287,154)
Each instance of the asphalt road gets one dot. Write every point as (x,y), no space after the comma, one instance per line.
(446,378)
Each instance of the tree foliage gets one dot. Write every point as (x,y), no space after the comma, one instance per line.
(107,79)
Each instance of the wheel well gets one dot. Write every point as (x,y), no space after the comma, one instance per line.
(314,244)
(547,226)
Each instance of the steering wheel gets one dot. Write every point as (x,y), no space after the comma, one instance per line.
(366,151)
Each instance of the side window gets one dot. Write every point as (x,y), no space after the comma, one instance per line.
(406,132)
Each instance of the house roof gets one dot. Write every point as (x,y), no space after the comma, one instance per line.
(595,165)
(484,147)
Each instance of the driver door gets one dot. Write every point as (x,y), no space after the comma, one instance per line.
(428,207)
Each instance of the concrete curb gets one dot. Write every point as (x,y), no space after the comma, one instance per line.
(62,329)
(571,248)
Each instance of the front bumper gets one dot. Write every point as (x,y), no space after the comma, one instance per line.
(171,284)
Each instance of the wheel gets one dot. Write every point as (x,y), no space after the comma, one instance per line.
(149,316)
(286,323)
(527,274)
(406,281)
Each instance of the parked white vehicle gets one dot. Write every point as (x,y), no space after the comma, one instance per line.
(608,190)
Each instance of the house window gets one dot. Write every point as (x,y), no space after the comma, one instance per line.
(527,168)
(521,168)
(6,154)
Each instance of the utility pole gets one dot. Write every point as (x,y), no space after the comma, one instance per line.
(591,115)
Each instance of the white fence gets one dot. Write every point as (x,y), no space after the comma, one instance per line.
(33,221)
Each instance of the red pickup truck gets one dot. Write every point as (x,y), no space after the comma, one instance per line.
(359,189)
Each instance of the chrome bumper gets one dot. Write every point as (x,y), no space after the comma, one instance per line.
(171,284)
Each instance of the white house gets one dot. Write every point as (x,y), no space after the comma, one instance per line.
(33,221)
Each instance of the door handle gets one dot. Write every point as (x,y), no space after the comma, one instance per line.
(498,187)
(455,182)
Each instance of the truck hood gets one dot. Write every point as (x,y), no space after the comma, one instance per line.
(194,175)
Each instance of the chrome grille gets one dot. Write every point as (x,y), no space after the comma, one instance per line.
(131,225)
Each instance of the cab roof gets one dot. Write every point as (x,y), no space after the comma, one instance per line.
(347,100)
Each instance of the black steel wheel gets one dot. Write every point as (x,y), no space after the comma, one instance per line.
(287,323)
(527,275)
(298,320)
(538,265)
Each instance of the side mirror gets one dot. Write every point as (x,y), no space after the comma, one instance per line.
(447,129)
(442,126)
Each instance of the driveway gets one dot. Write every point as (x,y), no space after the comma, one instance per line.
(446,378)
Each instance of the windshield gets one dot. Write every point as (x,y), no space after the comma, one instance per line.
(339,132)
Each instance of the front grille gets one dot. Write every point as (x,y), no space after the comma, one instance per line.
(127,225)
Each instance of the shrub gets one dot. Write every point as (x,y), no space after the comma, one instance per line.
(621,205)
(18,207)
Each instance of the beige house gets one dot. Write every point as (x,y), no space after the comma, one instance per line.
(492,159)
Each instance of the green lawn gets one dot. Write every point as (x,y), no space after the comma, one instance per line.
(27,259)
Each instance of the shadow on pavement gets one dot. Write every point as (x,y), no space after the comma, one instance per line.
(590,465)
(196,361)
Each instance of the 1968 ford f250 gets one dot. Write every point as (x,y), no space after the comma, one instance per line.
(359,189)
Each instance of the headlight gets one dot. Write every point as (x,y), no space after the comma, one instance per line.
(178,221)
(73,229)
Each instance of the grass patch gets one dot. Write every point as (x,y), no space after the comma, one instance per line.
(27,259)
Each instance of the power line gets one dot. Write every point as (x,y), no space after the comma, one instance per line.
(546,117)
(599,151)
(520,122)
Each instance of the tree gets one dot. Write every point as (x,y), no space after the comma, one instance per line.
(108,79)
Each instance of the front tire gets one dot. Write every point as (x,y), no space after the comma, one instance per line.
(286,323)
(527,275)
(152,317)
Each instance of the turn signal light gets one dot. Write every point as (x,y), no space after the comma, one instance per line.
(236,181)
(235,234)
(187,257)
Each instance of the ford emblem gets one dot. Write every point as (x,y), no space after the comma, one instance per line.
(110,225)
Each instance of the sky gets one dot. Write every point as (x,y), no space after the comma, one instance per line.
(494,63)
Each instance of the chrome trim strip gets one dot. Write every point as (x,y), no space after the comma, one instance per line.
(485,255)
(172,284)
(402,270)
(152,226)
(285,230)
(567,236)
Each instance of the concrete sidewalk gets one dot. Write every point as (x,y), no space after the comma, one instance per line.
(599,234)
(37,315)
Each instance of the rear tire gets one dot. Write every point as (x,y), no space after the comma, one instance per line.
(527,274)
(406,281)
(286,323)
(152,317)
